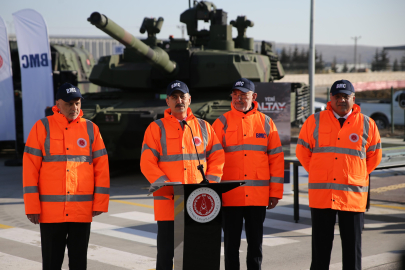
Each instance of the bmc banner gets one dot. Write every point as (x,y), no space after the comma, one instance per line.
(7,114)
(35,65)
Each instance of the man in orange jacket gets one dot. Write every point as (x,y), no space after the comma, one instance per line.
(339,148)
(65,180)
(169,155)
(253,154)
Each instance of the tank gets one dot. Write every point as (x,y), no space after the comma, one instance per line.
(209,62)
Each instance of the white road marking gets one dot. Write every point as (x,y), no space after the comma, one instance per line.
(14,262)
(372,261)
(97,253)
(138,216)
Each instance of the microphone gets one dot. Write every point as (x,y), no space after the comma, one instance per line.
(200,167)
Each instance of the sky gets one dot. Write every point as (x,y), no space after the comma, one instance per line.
(377,22)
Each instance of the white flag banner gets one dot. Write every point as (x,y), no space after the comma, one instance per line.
(35,65)
(7,114)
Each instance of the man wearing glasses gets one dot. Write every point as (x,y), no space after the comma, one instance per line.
(253,154)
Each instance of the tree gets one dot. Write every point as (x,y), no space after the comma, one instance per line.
(284,57)
(403,63)
(384,60)
(375,62)
(395,67)
(319,65)
(333,66)
(345,68)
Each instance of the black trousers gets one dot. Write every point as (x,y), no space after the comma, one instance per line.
(232,223)
(54,239)
(165,245)
(323,226)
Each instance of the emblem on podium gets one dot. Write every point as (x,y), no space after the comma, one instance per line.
(203,205)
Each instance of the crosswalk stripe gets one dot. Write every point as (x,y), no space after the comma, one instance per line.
(124,233)
(97,253)
(138,216)
(270,240)
(13,262)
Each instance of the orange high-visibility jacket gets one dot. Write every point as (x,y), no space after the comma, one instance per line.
(168,155)
(253,153)
(339,160)
(65,170)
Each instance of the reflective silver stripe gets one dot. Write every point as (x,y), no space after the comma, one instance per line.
(180,157)
(33,151)
(222,118)
(252,183)
(213,178)
(99,153)
(374,147)
(279,180)
(215,147)
(340,187)
(339,150)
(267,124)
(154,151)
(160,198)
(90,132)
(204,132)
(366,126)
(47,143)
(245,147)
(62,158)
(316,130)
(304,143)
(102,190)
(30,189)
(66,198)
(163,136)
(274,151)
(158,183)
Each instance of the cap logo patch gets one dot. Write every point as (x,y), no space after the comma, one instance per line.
(175,85)
(81,142)
(239,83)
(353,137)
(340,85)
(197,141)
(71,90)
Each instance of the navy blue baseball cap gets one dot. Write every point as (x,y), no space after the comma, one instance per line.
(177,85)
(67,92)
(342,86)
(244,85)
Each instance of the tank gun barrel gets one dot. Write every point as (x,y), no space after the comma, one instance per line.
(156,56)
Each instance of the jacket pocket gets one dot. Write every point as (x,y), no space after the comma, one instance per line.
(356,179)
(56,143)
(231,136)
(173,142)
(318,176)
(324,135)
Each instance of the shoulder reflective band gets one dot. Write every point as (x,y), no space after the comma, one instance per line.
(162,137)
(214,148)
(47,144)
(366,126)
(102,190)
(304,143)
(222,118)
(267,124)
(33,151)
(245,147)
(340,187)
(374,147)
(66,198)
(30,189)
(90,132)
(154,151)
(99,153)
(204,132)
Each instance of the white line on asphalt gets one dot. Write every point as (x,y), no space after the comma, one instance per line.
(11,262)
(138,216)
(97,253)
(271,241)
(124,233)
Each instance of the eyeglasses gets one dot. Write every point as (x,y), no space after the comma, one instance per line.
(175,97)
(240,97)
(344,96)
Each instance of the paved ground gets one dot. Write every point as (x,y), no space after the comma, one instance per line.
(125,238)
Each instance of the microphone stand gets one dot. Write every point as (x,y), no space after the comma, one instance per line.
(200,167)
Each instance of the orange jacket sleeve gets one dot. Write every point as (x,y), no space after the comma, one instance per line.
(151,150)
(305,143)
(32,162)
(374,150)
(215,156)
(276,162)
(101,173)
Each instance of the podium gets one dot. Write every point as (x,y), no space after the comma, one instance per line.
(197,224)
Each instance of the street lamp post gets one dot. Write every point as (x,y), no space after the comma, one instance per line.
(355,51)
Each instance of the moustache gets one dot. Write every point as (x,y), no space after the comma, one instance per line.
(179,105)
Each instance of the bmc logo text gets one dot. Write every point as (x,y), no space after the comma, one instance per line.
(70,90)
(239,83)
(261,135)
(34,60)
(175,85)
(341,85)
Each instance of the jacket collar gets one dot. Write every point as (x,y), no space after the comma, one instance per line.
(168,116)
(241,114)
(61,118)
(355,109)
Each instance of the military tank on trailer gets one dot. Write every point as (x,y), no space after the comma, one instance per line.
(208,62)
